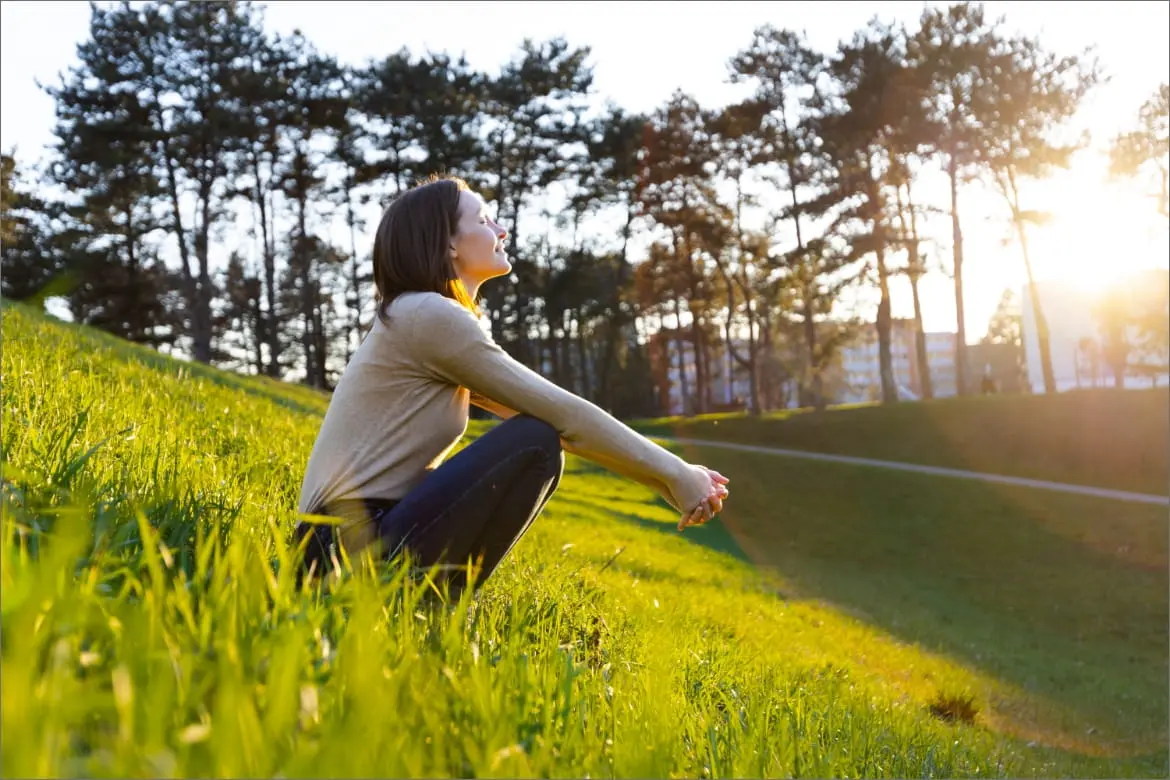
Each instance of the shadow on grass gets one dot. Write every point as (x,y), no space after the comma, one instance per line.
(1056,595)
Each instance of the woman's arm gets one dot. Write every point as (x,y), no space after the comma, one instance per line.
(451,345)
(505,413)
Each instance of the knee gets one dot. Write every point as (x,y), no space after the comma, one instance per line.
(536,431)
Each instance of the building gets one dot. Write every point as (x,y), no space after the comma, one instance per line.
(1000,363)
(862,367)
(730,382)
(1074,329)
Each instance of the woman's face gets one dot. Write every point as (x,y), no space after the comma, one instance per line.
(478,243)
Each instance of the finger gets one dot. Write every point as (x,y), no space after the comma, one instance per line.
(716,506)
(696,517)
(687,518)
(701,514)
(715,475)
(704,515)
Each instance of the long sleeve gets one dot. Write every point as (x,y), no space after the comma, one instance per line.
(504,412)
(449,344)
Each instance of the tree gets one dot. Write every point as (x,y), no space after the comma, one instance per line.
(204,46)
(40,246)
(857,126)
(315,106)
(952,52)
(241,318)
(1033,93)
(741,147)
(1133,318)
(908,146)
(1146,149)
(813,275)
(1113,316)
(607,178)
(1151,329)
(263,81)
(531,133)
(678,194)
(348,152)
(104,159)
(1089,351)
(786,72)
(1005,326)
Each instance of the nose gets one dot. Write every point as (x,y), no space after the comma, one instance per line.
(500,232)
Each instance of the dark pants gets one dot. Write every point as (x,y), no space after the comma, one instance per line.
(476,505)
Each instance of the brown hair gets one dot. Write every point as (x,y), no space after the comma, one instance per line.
(412,245)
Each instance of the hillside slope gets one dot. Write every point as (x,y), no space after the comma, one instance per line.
(150,623)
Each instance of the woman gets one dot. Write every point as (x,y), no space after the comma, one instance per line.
(402,405)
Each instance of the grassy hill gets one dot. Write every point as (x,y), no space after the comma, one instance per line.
(150,625)
(1105,438)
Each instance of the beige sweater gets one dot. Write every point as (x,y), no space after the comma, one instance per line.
(402,405)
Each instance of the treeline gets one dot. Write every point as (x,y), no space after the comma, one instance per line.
(186,122)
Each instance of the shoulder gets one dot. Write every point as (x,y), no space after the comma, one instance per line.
(436,317)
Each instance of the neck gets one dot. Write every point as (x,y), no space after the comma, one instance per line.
(472,285)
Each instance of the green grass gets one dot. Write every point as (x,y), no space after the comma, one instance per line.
(1106,438)
(150,625)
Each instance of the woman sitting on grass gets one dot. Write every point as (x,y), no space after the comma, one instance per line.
(402,405)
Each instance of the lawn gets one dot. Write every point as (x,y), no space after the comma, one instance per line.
(1104,438)
(900,627)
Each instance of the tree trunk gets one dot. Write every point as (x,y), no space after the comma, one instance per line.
(271,330)
(926,385)
(308,342)
(705,353)
(684,391)
(258,341)
(914,272)
(816,380)
(356,323)
(202,325)
(1042,335)
(884,324)
(564,359)
(132,319)
(616,328)
(957,253)
(752,363)
(582,358)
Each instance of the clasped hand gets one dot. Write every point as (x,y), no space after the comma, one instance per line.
(709,506)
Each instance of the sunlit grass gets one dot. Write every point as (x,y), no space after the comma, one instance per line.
(151,624)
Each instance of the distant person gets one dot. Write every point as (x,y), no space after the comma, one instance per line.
(402,404)
(988,386)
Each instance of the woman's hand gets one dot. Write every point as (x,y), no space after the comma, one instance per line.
(712,504)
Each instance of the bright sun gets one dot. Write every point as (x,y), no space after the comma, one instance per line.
(1100,233)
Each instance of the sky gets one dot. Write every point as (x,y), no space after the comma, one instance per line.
(642,52)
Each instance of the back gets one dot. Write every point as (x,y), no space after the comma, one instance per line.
(389,421)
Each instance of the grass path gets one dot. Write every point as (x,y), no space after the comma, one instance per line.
(1107,438)
(1002,479)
